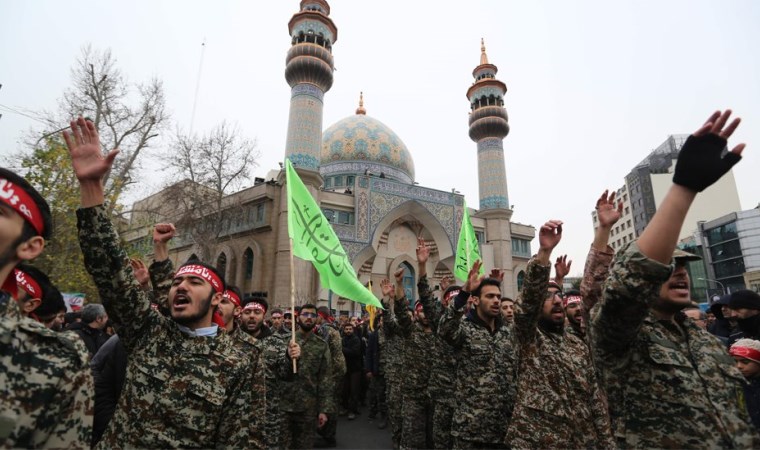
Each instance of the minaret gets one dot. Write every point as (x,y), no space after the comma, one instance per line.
(309,72)
(488,128)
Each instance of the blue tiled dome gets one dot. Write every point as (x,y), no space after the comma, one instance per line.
(360,142)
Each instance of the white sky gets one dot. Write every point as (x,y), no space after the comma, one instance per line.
(593,85)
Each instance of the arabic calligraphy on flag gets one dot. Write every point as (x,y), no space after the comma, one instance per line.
(467,248)
(314,240)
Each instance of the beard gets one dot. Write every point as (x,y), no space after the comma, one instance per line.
(205,307)
(306,327)
(8,255)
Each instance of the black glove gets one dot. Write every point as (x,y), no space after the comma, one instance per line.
(702,161)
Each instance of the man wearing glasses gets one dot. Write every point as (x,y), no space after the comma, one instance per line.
(308,398)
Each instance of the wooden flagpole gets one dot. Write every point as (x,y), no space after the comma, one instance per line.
(292,304)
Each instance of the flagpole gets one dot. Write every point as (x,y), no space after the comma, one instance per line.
(292,303)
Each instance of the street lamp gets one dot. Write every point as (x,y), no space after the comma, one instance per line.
(715,281)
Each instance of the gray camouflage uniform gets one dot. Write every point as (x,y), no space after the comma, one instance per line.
(670,384)
(559,402)
(485,377)
(46,387)
(180,391)
(417,358)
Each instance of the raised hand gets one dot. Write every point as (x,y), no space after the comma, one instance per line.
(607,211)
(141,272)
(561,268)
(702,160)
(446,282)
(423,252)
(163,232)
(386,287)
(399,276)
(549,235)
(90,165)
(473,277)
(497,274)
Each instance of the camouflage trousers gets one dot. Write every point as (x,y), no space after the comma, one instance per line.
(443,412)
(377,403)
(395,402)
(417,427)
(273,426)
(330,429)
(300,429)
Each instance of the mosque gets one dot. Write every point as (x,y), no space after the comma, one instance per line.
(362,175)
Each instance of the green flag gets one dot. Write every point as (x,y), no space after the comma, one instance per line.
(314,240)
(467,249)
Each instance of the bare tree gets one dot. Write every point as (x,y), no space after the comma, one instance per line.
(128,116)
(212,166)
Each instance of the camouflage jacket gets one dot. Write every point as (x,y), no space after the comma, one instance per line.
(485,377)
(277,369)
(559,402)
(46,399)
(331,335)
(594,273)
(180,391)
(443,358)
(394,341)
(670,384)
(417,353)
(312,387)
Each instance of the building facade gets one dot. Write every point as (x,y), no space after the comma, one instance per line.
(362,175)
(732,249)
(648,182)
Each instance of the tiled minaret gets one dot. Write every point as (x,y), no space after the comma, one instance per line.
(488,128)
(309,72)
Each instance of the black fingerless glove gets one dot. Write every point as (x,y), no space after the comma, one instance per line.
(702,161)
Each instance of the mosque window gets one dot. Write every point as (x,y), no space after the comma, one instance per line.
(345,218)
(350,180)
(221,263)
(328,182)
(520,280)
(329,214)
(248,261)
(338,181)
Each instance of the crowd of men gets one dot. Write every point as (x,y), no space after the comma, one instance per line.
(626,361)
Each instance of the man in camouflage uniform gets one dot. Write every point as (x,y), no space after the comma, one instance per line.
(188,384)
(327,330)
(278,368)
(669,382)
(443,356)
(375,367)
(559,401)
(485,378)
(419,343)
(47,388)
(395,349)
(310,396)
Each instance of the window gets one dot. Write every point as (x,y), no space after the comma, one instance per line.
(629,223)
(520,280)
(408,281)
(248,261)
(328,182)
(221,264)
(350,180)
(343,218)
(480,236)
(260,213)
(627,210)
(338,181)
(521,247)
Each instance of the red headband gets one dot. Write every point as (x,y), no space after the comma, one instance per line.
(418,307)
(452,293)
(256,306)
(745,352)
(276,315)
(199,271)
(233,297)
(23,203)
(325,316)
(570,299)
(27,283)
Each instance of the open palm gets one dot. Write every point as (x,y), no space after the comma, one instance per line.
(84,148)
